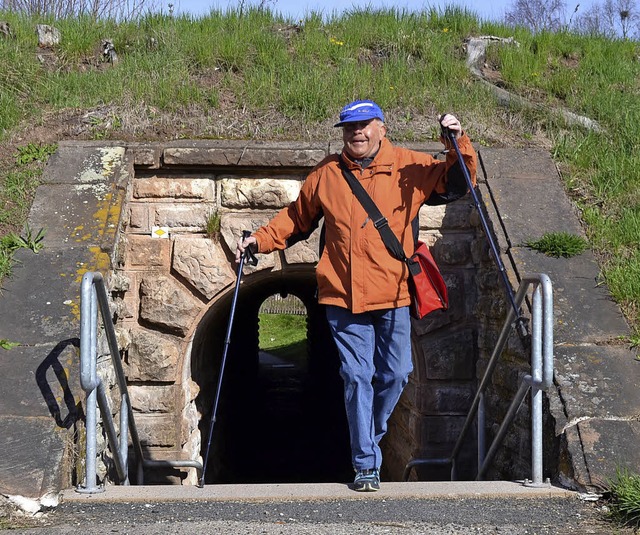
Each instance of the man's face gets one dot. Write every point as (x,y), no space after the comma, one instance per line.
(362,139)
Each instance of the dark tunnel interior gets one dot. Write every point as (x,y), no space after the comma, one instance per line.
(274,424)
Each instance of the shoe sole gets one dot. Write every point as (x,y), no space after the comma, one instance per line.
(367,487)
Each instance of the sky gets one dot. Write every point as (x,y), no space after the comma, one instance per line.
(296,9)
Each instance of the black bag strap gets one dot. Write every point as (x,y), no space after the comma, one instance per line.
(389,239)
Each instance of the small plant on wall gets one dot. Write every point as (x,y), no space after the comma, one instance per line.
(559,244)
(212,226)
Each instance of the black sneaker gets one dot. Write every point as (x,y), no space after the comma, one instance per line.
(367,480)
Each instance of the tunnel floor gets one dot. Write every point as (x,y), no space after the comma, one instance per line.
(285,424)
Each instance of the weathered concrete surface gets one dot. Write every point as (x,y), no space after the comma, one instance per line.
(596,396)
(79,204)
(595,403)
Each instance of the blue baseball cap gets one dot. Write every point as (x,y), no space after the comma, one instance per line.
(360,110)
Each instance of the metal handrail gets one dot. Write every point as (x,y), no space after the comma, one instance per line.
(94,297)
(539,380)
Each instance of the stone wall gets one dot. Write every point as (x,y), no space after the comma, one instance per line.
(164,286)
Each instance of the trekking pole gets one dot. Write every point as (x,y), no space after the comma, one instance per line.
(448,134)
(251,259)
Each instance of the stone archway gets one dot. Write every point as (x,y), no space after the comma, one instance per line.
(172,298)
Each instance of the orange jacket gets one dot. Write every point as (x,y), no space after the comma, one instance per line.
(356,271)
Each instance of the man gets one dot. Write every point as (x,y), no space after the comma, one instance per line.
(362,285)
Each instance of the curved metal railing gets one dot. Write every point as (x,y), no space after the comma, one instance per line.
(94,299)
(539,380)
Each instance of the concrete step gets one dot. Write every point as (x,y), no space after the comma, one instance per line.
(442,508)
(311,492)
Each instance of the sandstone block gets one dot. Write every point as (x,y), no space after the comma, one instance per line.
(453,250)
(152,399)
(305,251)
(258,193)
(148,157)
(203,264)
(231,227)
(435,399)
(490,307)
(452,216)
(178,188)
(450,357)
(267,155)
(441,430)
(139,217)
(145,251)
(152,357)
(157,430)
(181,216)
(167,304)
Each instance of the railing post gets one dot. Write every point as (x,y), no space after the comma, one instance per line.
(124,434)
(88,378)
(536,391)
(482,447)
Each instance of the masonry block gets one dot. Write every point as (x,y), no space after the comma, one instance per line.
(203,264)
(258,193)
(139,217)
(167,305)
(158,187)
(240,153)
(147,157)
(152,357)
(145,251)
(182,216)
(153,398)
(157,430)
(445,398)
(451,356)
(451,216)
(441,432)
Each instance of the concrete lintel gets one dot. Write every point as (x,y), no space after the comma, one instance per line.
(84,164)
(41,300)
(243,153)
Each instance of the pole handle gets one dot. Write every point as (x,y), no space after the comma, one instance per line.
(249,256)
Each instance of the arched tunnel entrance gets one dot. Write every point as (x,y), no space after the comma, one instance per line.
(276,422)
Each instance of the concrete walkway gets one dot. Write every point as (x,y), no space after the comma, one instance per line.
(397,509)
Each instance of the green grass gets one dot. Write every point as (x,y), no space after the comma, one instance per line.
(559,244)
(283,335)
(17,187)
(624,499)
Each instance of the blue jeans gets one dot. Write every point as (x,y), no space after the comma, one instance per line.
(375,356)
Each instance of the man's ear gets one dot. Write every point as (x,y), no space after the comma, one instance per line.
(383,129)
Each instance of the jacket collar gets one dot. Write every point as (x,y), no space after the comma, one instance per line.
(382,163)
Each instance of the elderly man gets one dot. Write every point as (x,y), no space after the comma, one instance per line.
(364,287)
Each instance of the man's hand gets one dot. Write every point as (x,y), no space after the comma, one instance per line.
(243,244)
(450,122)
